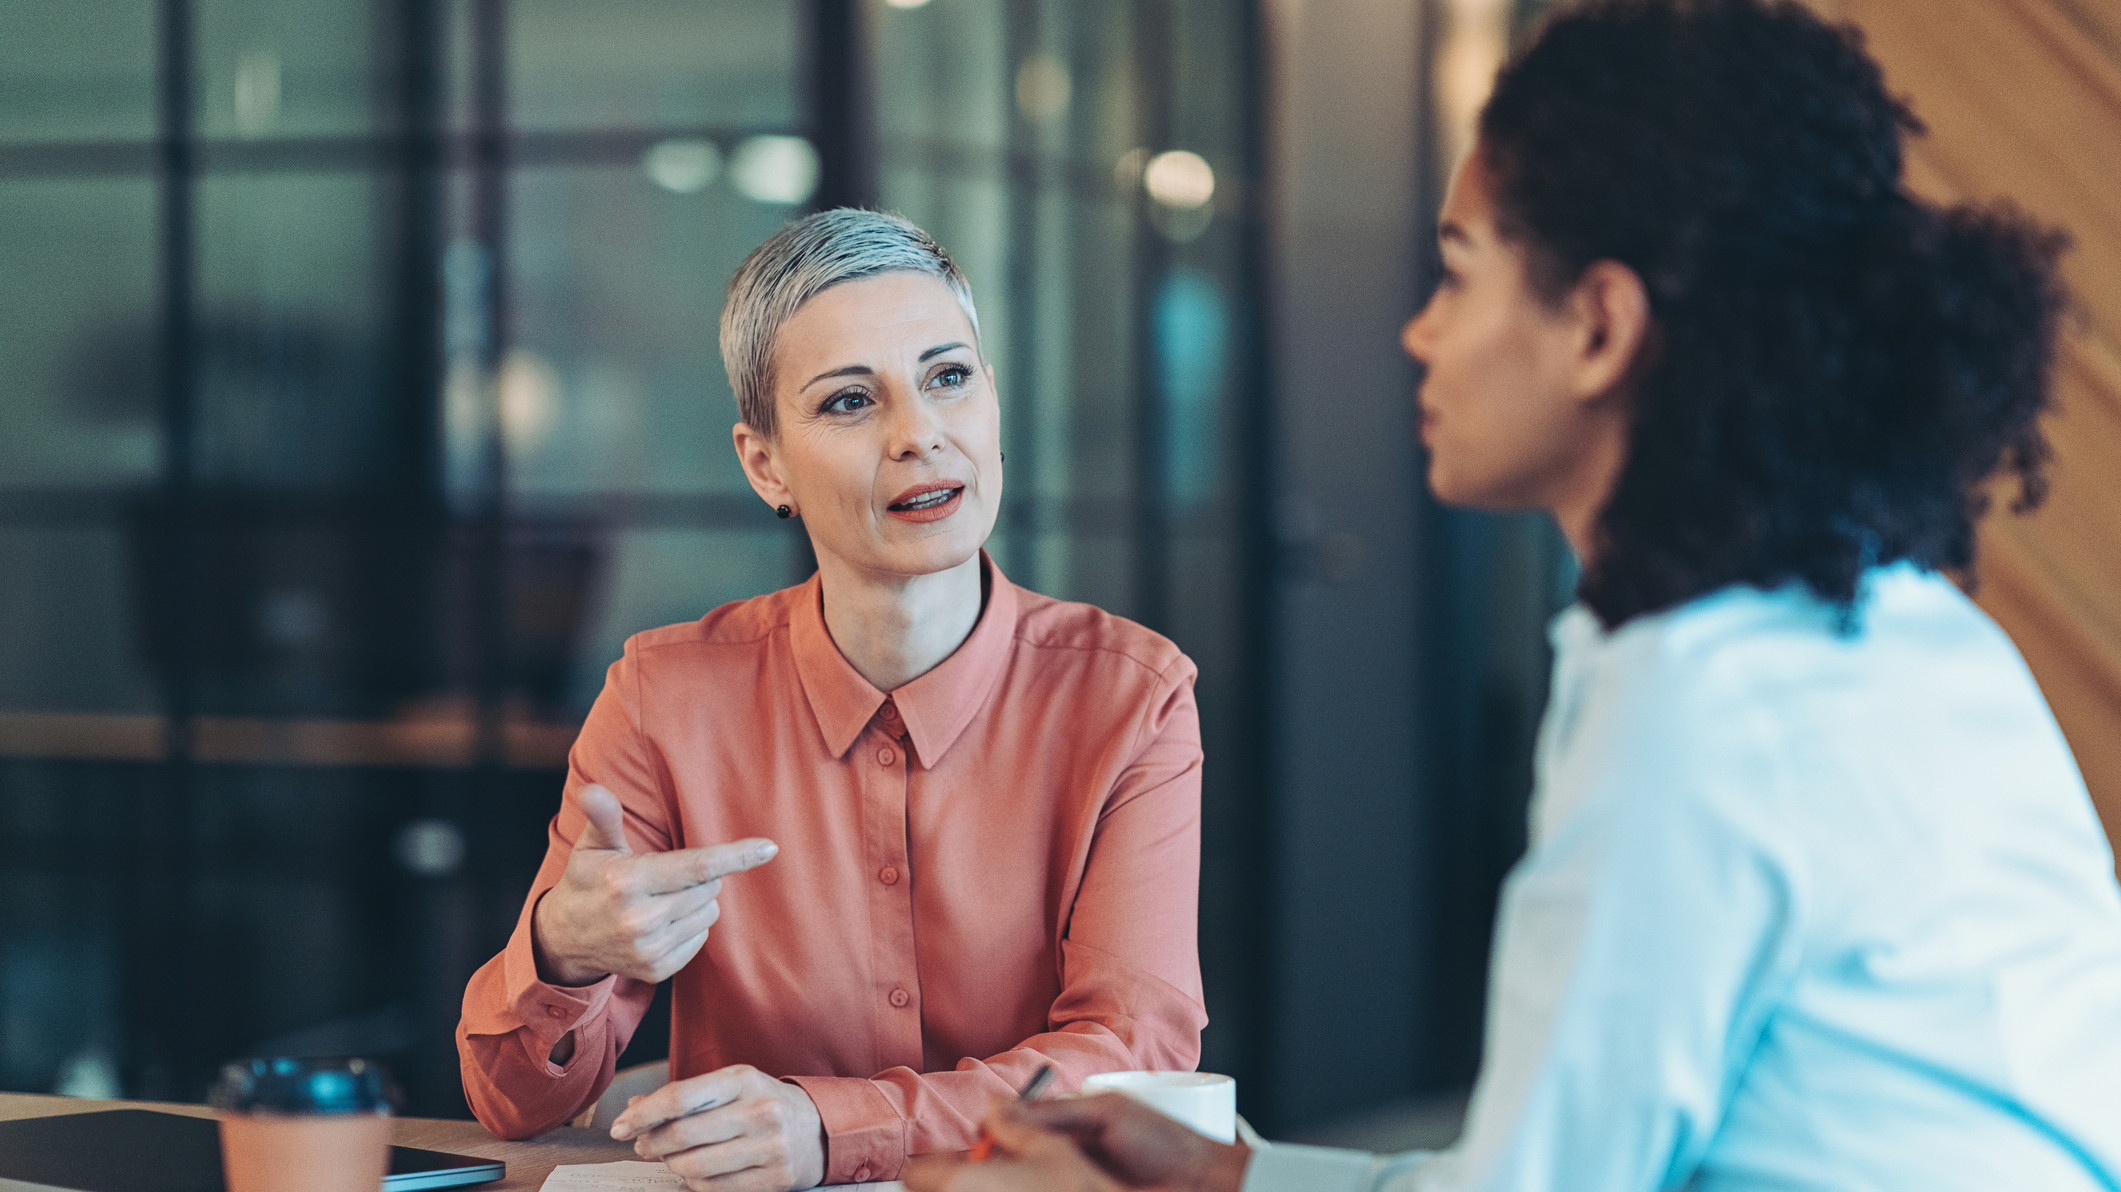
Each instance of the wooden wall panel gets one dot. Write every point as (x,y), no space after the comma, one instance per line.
(2023,103)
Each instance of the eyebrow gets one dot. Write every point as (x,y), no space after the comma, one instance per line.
(863,370)
(852,370)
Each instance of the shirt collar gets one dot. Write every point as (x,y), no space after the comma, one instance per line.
(935,707)
(1575,630)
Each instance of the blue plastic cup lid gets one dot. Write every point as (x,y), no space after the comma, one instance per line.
(300,1085)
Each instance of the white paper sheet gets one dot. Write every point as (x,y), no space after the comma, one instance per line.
(634,1176)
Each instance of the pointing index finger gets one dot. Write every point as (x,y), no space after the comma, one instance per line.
(682,869)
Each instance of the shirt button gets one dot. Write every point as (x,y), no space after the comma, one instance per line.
(886,756)
(900,997)
(861,1174)
(890,712)
(556,1012)
(888,875)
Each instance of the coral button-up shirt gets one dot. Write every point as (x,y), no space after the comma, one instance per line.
(992,867)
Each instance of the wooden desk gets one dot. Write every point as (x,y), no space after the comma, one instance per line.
(528,1162)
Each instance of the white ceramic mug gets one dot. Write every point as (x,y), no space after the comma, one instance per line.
(1202,1100)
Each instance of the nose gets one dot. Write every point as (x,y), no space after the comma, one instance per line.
(915,429)
(1414,337)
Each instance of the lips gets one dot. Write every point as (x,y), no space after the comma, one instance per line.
(928,502)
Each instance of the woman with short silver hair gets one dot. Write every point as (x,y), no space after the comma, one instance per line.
(981,805)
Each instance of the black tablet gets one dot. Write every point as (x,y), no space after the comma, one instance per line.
(139,1150)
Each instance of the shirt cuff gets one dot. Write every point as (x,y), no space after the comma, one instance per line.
(1287,1167)
(865,1138)
(549,1011)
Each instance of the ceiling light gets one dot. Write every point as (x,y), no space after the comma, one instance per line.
(775,169)
(1180,179)
(1042,88)
(682,165)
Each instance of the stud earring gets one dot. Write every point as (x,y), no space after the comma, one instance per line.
(783,512)
(1005,457)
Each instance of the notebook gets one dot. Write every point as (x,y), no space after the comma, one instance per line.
(140,1150)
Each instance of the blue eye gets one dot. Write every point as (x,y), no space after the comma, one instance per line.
(846,403)
(951,376)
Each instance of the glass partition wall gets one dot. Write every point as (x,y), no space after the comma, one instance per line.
(1093,166)
(359,396)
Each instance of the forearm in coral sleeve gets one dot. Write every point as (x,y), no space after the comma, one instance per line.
(511,1023)
(511,1019)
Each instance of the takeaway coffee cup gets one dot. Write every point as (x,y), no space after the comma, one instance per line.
(304,1125)
(1202,1100)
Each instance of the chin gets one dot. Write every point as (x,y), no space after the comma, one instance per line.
(1470,492)
(1447,487)
(932,556)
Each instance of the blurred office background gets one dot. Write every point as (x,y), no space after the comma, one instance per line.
(359,395)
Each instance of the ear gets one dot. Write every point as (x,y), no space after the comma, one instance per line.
(1611,308)
(761,466)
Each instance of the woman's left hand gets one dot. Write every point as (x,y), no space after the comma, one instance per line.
(1026,1158)
(1101,1143)
(732,1130)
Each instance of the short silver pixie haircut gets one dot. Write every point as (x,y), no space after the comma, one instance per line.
(803,260)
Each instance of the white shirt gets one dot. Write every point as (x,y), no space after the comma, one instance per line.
(1804,909)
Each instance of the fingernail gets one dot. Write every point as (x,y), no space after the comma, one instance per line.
(620,1131)
(768,850)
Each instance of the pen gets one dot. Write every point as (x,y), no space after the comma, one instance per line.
(984,1148)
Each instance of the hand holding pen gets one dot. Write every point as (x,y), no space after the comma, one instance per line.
(1102,1143)
(983,1149)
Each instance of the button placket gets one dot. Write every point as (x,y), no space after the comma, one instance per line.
(885,764)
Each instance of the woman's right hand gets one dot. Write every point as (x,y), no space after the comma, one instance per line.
(641,916)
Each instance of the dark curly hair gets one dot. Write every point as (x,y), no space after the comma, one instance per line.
(1836,367)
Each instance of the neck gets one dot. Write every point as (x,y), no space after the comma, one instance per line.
(1578,525)
(895,628)
(1581,499)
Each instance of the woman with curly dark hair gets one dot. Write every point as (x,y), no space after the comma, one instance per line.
(1815,897)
